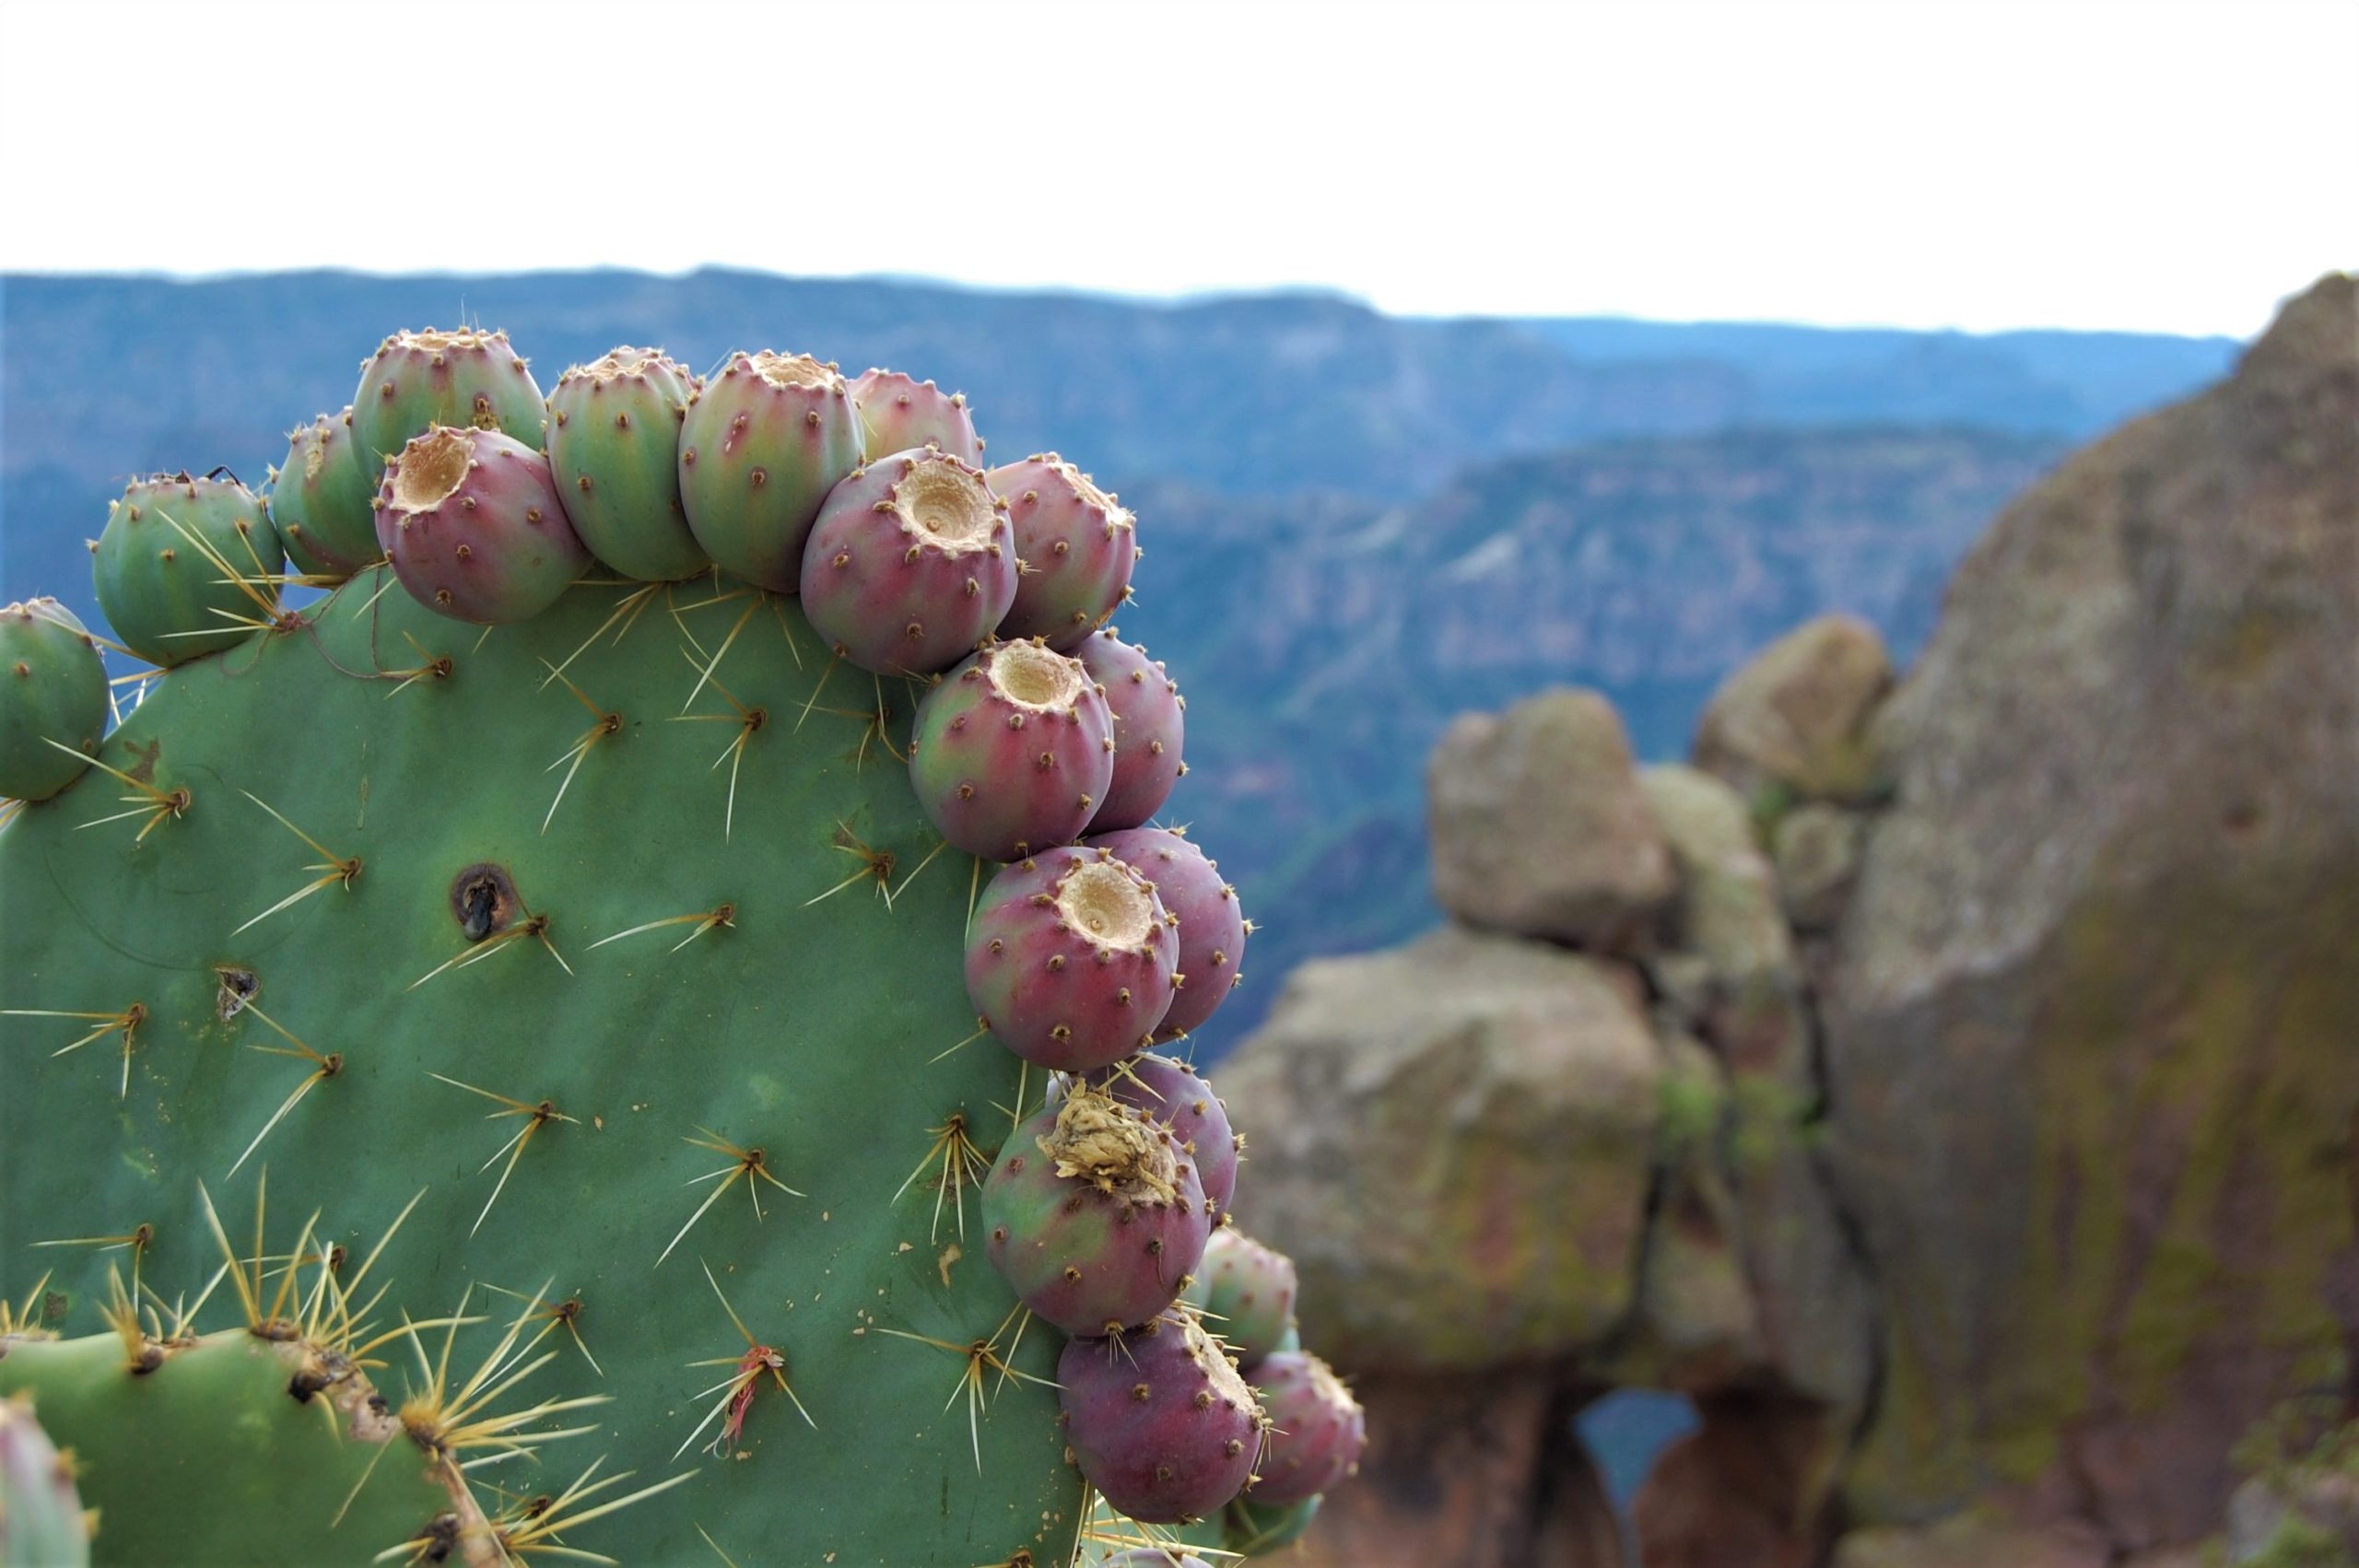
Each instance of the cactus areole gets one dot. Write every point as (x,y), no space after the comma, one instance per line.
(494,1057)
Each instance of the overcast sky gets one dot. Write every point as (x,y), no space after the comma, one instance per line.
(2157,166)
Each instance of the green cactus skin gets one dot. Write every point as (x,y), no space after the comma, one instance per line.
(1256,1530)
(206,1459)
(419,380)
(53,695)
(182,569)
(763,443)
(42,1521)
(816,1026)
(613,444)
(320,504)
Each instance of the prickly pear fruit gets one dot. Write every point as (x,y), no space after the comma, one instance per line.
(1248,1290)
(1153,1557)
(182,568)
(1159,1420)
(1078,546)
(319,502)
(42,1522)
(1317,1429)
(898,413)
(910,563)
(615,454)
(1070,959)
(1251,1530)
(763,443)
(1011,751)
(1150,723)
(1174,1095)
(475,528)
(1094,1217)
(1212,928)
(419,380)
(53,694)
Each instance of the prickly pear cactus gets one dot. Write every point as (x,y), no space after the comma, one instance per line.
(593,980)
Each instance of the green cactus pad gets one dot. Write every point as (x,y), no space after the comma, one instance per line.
(206,1459)
(415,910)
(52,699)
(184,568)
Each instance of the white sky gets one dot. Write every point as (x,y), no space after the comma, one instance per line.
(2156,166)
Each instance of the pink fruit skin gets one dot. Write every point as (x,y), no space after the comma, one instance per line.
(1078,547)
(1212,927)
(898,413)
(1050,992)
(1167,1434)
(1080,1258)
(885,594)
(1150,723)
(1003,782)
(1317,1429)
(497,549)
(1175,1096)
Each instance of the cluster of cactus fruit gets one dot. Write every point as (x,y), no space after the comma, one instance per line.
(378,884)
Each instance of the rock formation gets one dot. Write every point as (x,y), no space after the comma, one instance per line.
(1950,1087)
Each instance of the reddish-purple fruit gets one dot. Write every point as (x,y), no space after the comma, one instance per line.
(472,520)
(896,414)
(1011,752)
(1078,546)
(1212,928)
(1153,1557)
(910,563)
(1317,1429)
(1247,1291)
(762,444)
(1070,958)
(1150,722)
(1175,1096)
(1094,1217)
(1159,1420)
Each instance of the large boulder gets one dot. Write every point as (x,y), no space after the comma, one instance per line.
(1539,826)
(1741,1489)
(2090,1044)
(1794,722)
(1454,1142)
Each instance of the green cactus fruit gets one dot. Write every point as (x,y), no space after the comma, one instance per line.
(614,449)
(1094,1217)
(674,988)
(763,443)
(419,380)
(320,503)
(899,414)
(52,699)
(472,525)
(186,567)
(1255,1530)
(1247,1291)
(43,1524)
